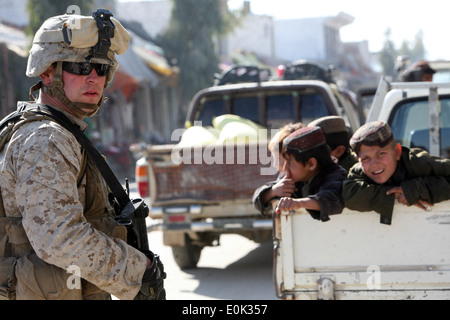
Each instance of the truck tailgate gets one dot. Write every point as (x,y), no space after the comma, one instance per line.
(229,174)
(353,256)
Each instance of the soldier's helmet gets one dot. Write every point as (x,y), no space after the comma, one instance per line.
(76,38)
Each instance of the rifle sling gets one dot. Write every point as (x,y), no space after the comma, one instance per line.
(126,205)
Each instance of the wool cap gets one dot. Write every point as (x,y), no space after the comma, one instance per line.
(330,124)
(304,139)
(375,133)
(423,66)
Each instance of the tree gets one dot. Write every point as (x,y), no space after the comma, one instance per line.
(190,42)
(418,49)
(388,55)
(40,10)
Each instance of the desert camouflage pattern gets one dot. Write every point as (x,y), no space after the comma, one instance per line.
(64,225)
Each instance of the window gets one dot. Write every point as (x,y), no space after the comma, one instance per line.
(280,110)
(246,107)
(411,123)
(210,110)
(312,106)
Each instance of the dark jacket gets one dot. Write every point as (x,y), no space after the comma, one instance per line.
(422,177)
(348,160)
(325,187)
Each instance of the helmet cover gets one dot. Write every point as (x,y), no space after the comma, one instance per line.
(71,38)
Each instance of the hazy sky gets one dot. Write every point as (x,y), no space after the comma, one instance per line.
(372,18)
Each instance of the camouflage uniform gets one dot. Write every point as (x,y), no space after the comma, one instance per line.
(57,217)
(39,170)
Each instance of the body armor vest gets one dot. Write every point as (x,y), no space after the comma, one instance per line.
(14,243)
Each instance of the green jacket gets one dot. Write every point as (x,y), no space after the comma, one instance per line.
(422,177)
(348,160)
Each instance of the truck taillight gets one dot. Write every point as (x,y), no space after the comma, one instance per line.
(142,183)
(280,71)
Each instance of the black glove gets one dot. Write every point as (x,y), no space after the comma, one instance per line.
(153,280)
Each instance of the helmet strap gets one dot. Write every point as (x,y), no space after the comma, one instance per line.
(55,89)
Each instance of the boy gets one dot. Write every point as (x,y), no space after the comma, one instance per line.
(317,179)
(281,187)
(387,171)
(337,137)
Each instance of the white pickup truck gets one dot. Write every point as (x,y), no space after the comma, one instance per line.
(353,256)
(208,193)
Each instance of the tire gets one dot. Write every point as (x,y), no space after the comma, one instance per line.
(187,256)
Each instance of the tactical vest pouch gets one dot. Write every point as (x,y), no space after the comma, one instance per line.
(20,245)
(13,243)
(7,262)
(7,278)
(38,280)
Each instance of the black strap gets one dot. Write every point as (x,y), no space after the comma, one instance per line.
(126,205)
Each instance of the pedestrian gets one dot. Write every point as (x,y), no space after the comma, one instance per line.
(338,139)
(387,171)
(281,187)
(419,71)
(318,180)
(57,217)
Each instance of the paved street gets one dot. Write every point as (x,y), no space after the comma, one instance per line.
(238,269)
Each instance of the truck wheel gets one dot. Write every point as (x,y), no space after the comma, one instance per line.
(187,256)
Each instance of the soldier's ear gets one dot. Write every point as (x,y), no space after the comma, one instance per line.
(47,75)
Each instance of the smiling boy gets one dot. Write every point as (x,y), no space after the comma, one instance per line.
(387,171)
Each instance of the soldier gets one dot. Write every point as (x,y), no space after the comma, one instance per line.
(57,217)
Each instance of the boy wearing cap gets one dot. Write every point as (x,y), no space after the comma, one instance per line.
(318,180)
(337,137)
(281,187)
(387,171)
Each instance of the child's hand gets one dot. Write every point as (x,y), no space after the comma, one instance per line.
(399,195)
(288,204)
(283,188)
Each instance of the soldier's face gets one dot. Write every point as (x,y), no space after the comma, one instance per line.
(379,164)
(84,89)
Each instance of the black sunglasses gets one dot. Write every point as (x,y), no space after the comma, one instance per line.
(85,68)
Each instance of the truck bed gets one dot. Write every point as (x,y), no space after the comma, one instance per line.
(359,258)
(227,173)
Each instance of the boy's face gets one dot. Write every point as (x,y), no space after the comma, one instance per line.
(278,161)
(378,163)
(297,171)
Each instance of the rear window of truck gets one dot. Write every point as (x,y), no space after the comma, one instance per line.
(270,110)
(410,125)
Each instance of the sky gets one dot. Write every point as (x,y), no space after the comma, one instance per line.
(405,18)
